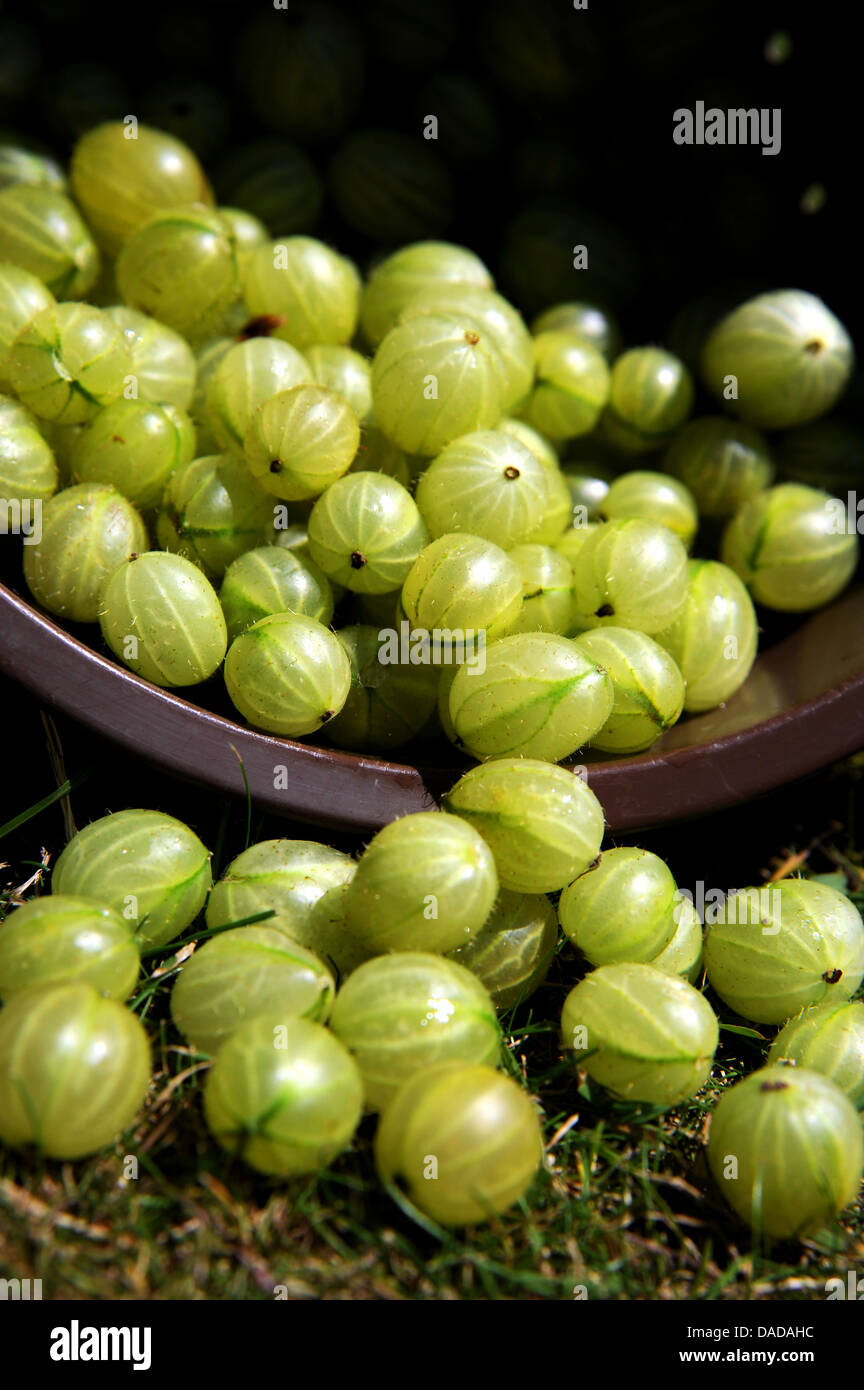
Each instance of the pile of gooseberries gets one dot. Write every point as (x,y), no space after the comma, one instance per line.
(316,987)
(253,458)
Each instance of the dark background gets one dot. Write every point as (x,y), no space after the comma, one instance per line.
(550,119)
(555,128)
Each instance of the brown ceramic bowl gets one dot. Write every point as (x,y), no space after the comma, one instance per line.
(801,707)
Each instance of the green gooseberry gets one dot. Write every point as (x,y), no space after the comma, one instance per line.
(653,497)
(648,689)
(683,954)
(572,383)
(542,822)
(288,674)
(63,938)
(464,1140)
(786,1150)
(512,953)
(622,908)
(771,951)
(74,1069)
(399,1014)
(650,396)
(389,701)
(284,1095)
(537,696)
(547,589)
(303,884)
(273,579)
(426,882)
(722,462)
(827,1038)
(243,973)
(792,547)
(779,360)
(150,868)
(643,1034)
(713,640)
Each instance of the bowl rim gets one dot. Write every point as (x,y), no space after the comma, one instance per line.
(360,792)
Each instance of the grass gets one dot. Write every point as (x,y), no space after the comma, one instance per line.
(623,1209)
